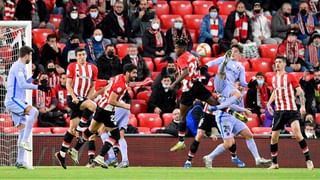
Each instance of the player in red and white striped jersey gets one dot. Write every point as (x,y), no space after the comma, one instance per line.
(286,111)
(81,79)
(106,110)
(53,76)
(192,88)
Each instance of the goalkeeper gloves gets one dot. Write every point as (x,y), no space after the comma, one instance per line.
(43,86)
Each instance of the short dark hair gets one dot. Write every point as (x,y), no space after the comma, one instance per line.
(74,36)
(309,123)
(284,59)
(25,50)
(260,74)
(79,49)
(169,59)
(129,68)
(238,46)
(182,43)
(51,61)
(51,36)
(108,45)
(214,7)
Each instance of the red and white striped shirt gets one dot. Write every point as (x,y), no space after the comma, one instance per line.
(284,86)
(43,99)
(9,10)
(187,60)
(117,85)
(53,80)
(82,77)
(61,94)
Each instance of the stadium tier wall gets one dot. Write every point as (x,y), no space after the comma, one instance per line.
(154,151)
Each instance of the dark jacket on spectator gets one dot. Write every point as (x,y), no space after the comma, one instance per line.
(139,25)
(69,26)
(111,28)
(310,87)
(24,10)
(166,101)
(149,44)
(108,67)
(143,70)
(251,97)
(90,26)
(47,53)
(278,26)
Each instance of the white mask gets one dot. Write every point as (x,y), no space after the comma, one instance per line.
(2,70)
(155,26)
(177,25)
(94,14)
(98,38)
(309,134)
(165,87)
(74,15)
(133,56)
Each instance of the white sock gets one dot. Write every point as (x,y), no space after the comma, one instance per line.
(111,154)
(217,151)
(253,148)
(123,149)
(29,124)
(21,151)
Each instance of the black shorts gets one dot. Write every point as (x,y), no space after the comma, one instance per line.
(105,117)
(207,122)
(281,118)
(198,91)
(75,108)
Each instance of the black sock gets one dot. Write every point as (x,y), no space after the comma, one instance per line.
(274,153)
(193,149)
(182,130)
(87,133)
(84,118)
(91,149)
(233,150)
(105,148)
(67,139)
(116,150)
(79,144)
(305,149)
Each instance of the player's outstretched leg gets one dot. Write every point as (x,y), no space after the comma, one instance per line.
(33,114)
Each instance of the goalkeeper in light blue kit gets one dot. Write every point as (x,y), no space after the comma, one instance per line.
(17,84)
(230,126)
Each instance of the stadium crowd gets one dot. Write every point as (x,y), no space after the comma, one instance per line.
(115,33)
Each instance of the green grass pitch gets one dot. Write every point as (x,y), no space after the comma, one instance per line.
(54,172)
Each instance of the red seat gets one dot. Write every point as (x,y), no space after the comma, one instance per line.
(154,75)
(138,106)
(226,7)
(133,120)
(50,4)
(202,7)
(39,36)
(181,7)
(55,19)
(10,130)
(269,76)
(149,63)
(6,53)
(193,21)
(246,65)
(100,83)
(249,75)
(59,130)
(167,118)
(161,8)
(268,51)
(150,120)
(261,65)
(40,130)
(144,130)
(122,50)
(193,34)
(6,120)
(144,95)
(261,130)
(167,20)
(253,121)
(160,63)
(317,120)
(224,18)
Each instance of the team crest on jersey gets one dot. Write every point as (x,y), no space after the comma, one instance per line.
(119,89)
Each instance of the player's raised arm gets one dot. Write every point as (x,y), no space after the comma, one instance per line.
(113,101)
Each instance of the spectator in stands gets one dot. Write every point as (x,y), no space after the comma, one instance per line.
(136,59)
(60,6)
(35,11)
(306,21)
(170,70)
(212,27)
(95,46)
(81,6)
(61,94)
(117,25)
(153,40)
(293,50)
(237,29)
(46,102)
(177,31)
(68,53)
(50,51)
(109,65)
(35,54)
(101,4)
(92,21)
(265,4)
(311,88)
(314,7)
(310,130)
(9,9)
(258,94)
(141,20)
(282,22)
(53,76)
(311,118)
(162,100)
(172,128)
(70,25)
(261,27)
(312,53)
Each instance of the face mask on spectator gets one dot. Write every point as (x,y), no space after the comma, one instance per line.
(171,70)
(51,70)
(178,25)
(98,38)
(309,134)
(94,15)
(286,14)
(2,70)
(213,14)
(316,44)
(133,56)
(240,13)
(303,12)
(74,45)
(165,87)
(260,82)
(257,11)
(74,15)
(110,53)
(155,26)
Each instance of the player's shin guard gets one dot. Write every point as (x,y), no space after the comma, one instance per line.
(274,153)
(305,149)
(84,120)
(182,130)
(91,150)
(233,150)
(86,134)
(193,149)
(79,144)
(66,144)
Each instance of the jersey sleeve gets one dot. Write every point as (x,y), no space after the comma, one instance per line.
(94,73)
(70,71)
(118,87)
(294,81)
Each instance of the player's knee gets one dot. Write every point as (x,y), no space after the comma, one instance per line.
(90,105)
(227,143)
(199,135)
(115,134)
(122,132)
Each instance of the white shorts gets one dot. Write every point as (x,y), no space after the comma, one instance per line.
(16,107)
(122,117)
(228,125)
